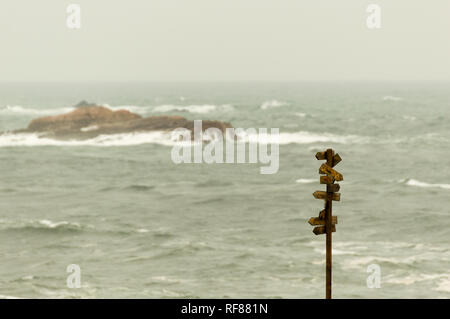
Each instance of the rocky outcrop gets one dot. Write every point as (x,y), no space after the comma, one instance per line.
(89,120)
(80,118)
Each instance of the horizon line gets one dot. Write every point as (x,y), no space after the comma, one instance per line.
(217,81)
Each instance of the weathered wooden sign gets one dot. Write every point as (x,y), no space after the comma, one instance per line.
(314,221)
(322,214)
(325,169)
(327,196)
(335,187)
(322,230)
(326,222)
(323,156)
(326,180)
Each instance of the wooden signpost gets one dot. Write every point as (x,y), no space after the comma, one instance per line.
(326,222)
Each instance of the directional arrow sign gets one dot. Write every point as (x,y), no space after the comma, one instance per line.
(325,169)
(321,155)
(322,214)
(314,221)
(336,197)
(327,196)
(334,188)
(336,159)
(326,180)
(320,195)
(321,230)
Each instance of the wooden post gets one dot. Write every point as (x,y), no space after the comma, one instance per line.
(326,217)
(328,214)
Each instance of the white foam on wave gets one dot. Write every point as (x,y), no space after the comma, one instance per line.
(51,224)
(144,109)
(9,297)
(164,108)
(335,251)
(416,183)
(304,137)
(165,279)
(40,224)
(126,139)
(409,118)
(18,109)
(306,180)
(138,109)
(362,262)
(414,278)
(392,98)
(89,128)
(165,138)
(444,284)
(272,104)
(199,109)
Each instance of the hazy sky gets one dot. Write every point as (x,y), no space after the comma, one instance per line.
(224,40)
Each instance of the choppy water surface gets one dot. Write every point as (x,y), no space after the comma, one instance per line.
(140,226)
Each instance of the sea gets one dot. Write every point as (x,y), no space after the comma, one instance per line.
(137,225)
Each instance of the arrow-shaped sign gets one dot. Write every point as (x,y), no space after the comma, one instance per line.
(321,155)
(314,221)
(334,188)
(319,230)
(326,179)
(325,169)
(322,214)
(327,196)
(336,159)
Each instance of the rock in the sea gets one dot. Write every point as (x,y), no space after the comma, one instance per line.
(89,120)
(81,117)
(84,104)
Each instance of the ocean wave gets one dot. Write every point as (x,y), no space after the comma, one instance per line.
(165,138)
(199,109)
(43,224)
(126,139)
(392,98)
(431,137)
(52,292)
(444,284)
(411,279)
(51,224)
(306,180)
(335,251)
(9,297)
(362,254)
(164,108)
(304,137)
(142,110)
(138,109)
(272,104)
(409,118)
(141,188)
(164,279)
(315,149)
(17,109)
(362,262)
(416,183)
